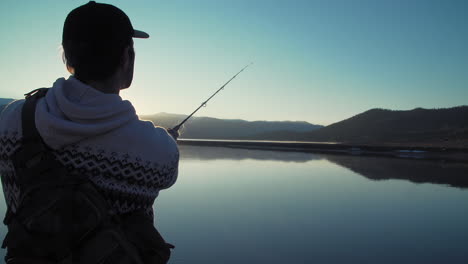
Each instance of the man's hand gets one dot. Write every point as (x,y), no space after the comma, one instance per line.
(174,133)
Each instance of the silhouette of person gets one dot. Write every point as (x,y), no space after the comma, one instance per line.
(89,128)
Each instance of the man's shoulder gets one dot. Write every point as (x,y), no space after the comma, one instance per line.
(10,127)
(139,137)
(11,107)
(10,116)
(145,132)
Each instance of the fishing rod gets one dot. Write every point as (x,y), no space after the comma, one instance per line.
(176,128)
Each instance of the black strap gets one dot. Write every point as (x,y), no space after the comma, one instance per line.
(30,161)
(30,133)
(29,156)
(32,143)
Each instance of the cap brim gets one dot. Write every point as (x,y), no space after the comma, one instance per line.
(140,34)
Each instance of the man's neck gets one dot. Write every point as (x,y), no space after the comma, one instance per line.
(105,87)
(108,86)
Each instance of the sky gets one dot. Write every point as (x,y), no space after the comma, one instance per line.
(319,61)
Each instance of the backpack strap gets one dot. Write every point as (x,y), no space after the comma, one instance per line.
(30,133)
(34,163)
(34,156)
(32,145)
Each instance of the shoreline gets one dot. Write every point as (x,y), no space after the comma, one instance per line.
(402,152)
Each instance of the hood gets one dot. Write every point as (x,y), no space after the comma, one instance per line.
(73,111)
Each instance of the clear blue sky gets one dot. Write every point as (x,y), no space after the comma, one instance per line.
(316,60)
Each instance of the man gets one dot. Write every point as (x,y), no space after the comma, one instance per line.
(90,129)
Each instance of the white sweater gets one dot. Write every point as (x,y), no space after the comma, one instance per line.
(98,135)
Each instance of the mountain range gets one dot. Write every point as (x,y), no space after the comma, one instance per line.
(444,127)
(447,127)
(417,125)
(214,128)
(430,127)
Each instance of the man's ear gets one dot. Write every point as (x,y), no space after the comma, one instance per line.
(128,56)
(125,58)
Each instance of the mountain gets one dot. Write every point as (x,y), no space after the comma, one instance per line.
(213,128)
(446,126)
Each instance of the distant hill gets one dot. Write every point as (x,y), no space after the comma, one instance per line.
(438,127)
(213,128)
(447,127)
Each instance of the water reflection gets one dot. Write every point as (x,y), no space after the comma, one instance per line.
(253,206)
(374,168)
(417,171)
(216,153)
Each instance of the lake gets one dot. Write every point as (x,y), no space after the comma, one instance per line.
(254,206)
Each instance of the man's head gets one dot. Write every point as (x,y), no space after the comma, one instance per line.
(97,43)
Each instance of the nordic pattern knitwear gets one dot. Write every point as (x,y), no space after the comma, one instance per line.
(97,135)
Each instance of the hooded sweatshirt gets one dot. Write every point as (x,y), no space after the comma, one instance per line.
(97,135)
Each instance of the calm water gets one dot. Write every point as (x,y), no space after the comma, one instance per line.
(253,206)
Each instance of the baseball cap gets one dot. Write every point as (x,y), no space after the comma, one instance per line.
(99,23)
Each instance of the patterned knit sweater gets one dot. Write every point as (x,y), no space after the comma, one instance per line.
(98,135)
